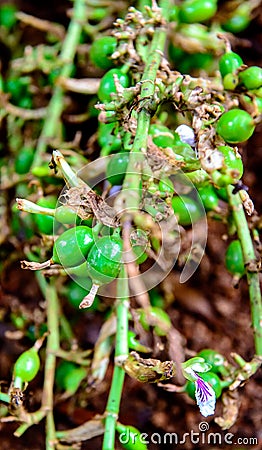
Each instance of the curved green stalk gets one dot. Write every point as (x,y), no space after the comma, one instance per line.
(249,259)
(50,363)
(121,352)
(4,397)
(131,185)
(133,172)
(66,59)
(52,348)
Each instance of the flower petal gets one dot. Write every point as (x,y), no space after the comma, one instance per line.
(205,397)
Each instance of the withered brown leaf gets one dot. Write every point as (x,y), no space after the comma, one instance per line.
(231,404)
(162,160)
(85,202)
(148,370)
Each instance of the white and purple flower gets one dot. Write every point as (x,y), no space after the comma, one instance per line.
(204,393)
(205,397)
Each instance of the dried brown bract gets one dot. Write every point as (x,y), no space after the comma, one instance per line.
(148,370)
(86,203)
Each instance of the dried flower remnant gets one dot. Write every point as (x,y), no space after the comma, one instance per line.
(148,370)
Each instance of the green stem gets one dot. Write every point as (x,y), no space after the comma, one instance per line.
(4,397)
(133,173)
(66,58)
(249,258)
(69,175)
(121,352)
(66,328)
(34,418)
(33,208)
(122,315)
(52,348)
(197,177)
(239,360)
(50,363)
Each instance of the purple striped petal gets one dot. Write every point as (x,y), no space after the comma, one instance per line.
(205,397)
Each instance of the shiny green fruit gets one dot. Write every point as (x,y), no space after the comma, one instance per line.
(209,377)
(239,20)
(229,63)
(69,375)
(104,259)
(209,197)
(45,224)
(27,365)
(186,209)
(156,317)
(101,50)
(116,168)
(212,357)
(234,259)
(71,247)
(107,84)
(232,161)
(161,135)
(8,15)
(107,138)
(235,126)
(66,215)
(251,77)
(23,160)
(166,186)
(192,11)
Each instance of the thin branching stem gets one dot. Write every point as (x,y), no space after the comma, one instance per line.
(50,363)
(131,185)
(250,260)
(121,352)
(66,58)
(52,347)
(133,172)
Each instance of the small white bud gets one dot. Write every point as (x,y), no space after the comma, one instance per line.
(186,134)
